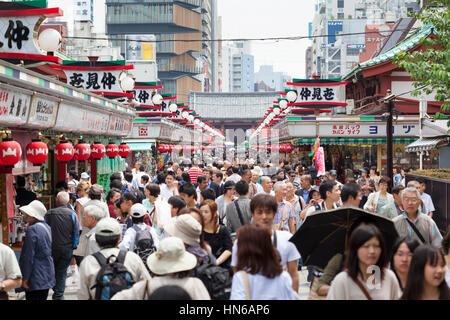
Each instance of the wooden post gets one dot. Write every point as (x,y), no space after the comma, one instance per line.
(379,157)
(93,170)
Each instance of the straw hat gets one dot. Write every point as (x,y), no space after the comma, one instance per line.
(186,228)
(35,209)
(171,257)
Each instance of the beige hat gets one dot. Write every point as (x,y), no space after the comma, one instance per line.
(186,228)
(171,257)
(108,227)
(138,210)
(35,209)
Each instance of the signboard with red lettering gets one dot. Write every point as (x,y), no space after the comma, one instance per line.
(73,118)
(14,105)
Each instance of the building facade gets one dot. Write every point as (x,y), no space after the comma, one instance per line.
(238,68)
(182,65)
(272,79)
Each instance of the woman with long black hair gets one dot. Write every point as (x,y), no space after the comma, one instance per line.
(402,253)
(426,277)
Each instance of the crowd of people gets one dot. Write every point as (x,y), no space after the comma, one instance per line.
(170,235)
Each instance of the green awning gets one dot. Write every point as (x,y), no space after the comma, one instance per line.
(140,146)
(349,141)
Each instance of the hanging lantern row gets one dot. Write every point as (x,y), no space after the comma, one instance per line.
(286,147)
(37,151)
(177,148)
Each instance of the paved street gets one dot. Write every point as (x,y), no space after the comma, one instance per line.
(72,287)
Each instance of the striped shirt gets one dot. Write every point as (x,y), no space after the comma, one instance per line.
(194,173)
(426,226)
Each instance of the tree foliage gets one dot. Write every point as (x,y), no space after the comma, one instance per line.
(430,68)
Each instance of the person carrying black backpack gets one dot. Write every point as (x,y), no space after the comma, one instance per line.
(109,270)
(140,238)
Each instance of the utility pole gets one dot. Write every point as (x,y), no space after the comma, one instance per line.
(388,101)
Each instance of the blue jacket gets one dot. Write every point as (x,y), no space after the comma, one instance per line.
(36,262)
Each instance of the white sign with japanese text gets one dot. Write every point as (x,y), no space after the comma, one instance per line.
(120,126)
(17,34)
(73,118)
(323,94)
(107,80)
(43,112)
(14,106)
(367,130)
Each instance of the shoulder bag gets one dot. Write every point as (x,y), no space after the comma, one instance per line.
(241,219)
(416,231)
(363,289)
(246,284)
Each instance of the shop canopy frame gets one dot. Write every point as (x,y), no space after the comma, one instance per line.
(427,144)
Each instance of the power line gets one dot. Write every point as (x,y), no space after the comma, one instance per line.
(249,39)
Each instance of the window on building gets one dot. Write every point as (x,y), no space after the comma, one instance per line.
(340,3)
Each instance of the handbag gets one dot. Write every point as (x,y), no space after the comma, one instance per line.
(313,291)
(246,284)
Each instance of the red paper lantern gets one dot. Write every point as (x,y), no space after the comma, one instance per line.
(37,152)
(112,150)
(10,153)
(98,150)
(64,151)
(162,148)
(82,151)
(124,150)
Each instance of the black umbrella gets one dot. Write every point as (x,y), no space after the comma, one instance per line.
(325,233)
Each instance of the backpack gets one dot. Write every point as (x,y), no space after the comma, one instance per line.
(112,277)
(216,279)
(143,243)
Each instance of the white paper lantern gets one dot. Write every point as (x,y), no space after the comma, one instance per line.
(291,96)
(157,99)
(127,83)
(276,111)
(190,118)
(49,40)
(173,108)
(197,122)
(185,114)
(283,104)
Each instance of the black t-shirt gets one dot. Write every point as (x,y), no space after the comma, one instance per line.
(220,242)
(24,197)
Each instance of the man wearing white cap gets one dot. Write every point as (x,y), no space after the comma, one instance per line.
(107,235)
(36,262)
(84,176)
(137,212)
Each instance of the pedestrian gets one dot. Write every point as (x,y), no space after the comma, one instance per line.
(446,252)
(23,196)
(158,208)
(351,195)
(224,200)
(285,215)
(392,210)
(170,188)
(72,182)
(216,235)
(65,236)
(263,208)
(305,187)
(84,177)
(426,198)
(107,235)
(266,184)
(237,213)
(202,184)
(36,262)
(10,274)
(217,178)
(169,292)
(254,186)
(91,216)
(331,195)
(379,199)
(189,228)
(366,253)
(333,177)
(373,174)
(95,194)
(126,201)
(195,171)
(111,198)
(170,265)
(208,173)
(414,223)
(397,175)
(402,253)
(189,194)
(426,277)
(297,202)
(260,275)
(247,177)
(83,197)
(176,203)
(137,213)
(367,185)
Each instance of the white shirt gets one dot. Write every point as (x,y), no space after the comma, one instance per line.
(272,193)
(263,288)
(165,191)
(9,266)
(288,251)
(345,288)
(127,243)
(427,202)
(447,276)
(322,205)
(234,177)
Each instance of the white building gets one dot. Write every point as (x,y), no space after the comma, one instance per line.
(237,68)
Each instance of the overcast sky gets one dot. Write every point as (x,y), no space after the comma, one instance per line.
(250,19)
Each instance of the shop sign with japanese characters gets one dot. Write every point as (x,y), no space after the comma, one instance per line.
(144,131)
(107,80)
(366,130)
(311,93)
(73,118)
(17,34)
(120,126)
(14,106)
(43,111)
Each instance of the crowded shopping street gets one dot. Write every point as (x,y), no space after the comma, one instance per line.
(143,157)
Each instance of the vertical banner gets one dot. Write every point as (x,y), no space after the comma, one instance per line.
(320,162)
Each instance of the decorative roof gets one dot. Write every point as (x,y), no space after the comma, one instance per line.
(404,45)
